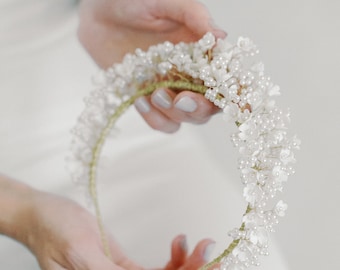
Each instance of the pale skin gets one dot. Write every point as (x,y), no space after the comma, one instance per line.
(109,29)
(63,235)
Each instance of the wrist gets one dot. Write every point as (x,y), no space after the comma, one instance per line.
(15,202)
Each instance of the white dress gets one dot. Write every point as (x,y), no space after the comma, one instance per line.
(152,186)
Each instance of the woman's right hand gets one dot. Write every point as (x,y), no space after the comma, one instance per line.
(63,235)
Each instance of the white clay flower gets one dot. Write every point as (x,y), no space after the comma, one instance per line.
(280,208)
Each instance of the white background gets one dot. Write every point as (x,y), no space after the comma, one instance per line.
(299,43)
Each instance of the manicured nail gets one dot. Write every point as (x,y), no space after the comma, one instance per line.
(208,250)
(218,33)
(186,104)
(184,243)
(142,105)
(162,99)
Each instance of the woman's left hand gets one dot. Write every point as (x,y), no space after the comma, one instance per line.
(110,29)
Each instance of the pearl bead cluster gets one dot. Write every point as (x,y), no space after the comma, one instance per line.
(244,94)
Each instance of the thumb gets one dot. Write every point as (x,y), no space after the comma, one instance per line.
(200,255)
(178,253)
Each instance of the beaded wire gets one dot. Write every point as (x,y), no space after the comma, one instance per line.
(221,73)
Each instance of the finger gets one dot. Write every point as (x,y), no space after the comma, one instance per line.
(154,117)
(196,107)
(187,106)
(179,249)
(200,255)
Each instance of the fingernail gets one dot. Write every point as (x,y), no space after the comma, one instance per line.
(162,99)
(142,105)
(220,34)
(186,104)
(184,243)
(208,250)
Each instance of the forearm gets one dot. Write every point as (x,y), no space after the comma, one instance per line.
(14,202)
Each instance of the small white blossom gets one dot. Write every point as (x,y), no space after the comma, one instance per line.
(248,131)
(258,68)
(287,156)
(259,236)
(245,44)
(274,90)
(279,174)
(280,208)
(231,112)
(253,193)
(207,42)
(253,219)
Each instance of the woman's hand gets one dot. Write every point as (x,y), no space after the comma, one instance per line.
(110,29)
(63,235)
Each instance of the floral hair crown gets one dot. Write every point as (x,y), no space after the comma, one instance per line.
(224,75)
